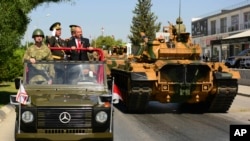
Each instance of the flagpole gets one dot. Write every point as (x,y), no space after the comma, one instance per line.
(19,117)
(112,106)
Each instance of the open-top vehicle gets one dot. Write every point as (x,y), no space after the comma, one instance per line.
(64,100)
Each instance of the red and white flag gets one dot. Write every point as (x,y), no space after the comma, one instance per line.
(117,95)
(22,96)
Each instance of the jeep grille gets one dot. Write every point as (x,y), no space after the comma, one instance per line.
(48,118)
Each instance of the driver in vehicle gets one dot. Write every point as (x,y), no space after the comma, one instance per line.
(80,73)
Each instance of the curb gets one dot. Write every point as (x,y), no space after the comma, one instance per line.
(246,95)
(5,110)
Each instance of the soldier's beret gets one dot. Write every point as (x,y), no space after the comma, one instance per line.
(72,27)
(56,25)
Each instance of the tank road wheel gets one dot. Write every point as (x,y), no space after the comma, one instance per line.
(138,100)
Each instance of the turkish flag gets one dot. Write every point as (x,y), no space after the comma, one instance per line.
(117,95)
(22,96)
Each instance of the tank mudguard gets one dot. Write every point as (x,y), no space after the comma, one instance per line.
(139,76)
(223,75)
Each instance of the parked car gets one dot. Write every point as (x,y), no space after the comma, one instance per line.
(234,61)
(245,62)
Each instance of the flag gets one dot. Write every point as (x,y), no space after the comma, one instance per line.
(22,96)
(116,94)
(100,74)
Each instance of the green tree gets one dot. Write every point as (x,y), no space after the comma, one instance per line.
(13,24)
(106,42)
(143,21)
(14,66)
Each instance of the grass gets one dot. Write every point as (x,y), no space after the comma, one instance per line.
(6,89)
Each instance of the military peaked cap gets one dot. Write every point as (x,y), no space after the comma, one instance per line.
(56,25)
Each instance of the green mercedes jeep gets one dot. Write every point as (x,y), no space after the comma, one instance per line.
(63,100)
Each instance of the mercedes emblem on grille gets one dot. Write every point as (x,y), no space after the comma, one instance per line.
(65,117)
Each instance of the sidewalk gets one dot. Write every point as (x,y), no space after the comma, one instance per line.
(244,90)
(5,110)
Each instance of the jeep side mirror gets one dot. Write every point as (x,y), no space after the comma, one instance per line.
(17,82)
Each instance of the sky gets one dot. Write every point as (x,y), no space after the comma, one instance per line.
(115,16)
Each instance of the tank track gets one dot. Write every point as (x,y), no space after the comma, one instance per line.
(138,99)
(226,92)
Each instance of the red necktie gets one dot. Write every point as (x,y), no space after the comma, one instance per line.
(79,45)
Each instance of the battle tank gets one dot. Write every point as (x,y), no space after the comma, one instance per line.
(169,69)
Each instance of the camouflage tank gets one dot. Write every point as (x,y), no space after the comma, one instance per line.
(169,70)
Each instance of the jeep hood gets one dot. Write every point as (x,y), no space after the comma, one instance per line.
(64,96)
(64,100)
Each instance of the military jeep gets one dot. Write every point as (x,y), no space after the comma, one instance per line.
(65,102)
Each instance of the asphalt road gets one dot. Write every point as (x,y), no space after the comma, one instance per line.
(162,122)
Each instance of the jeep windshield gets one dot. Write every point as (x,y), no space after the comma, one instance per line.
(55,73)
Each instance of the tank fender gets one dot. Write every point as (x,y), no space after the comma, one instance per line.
(143,76)
(223,75)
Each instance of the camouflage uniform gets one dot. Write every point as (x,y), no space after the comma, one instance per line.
(39,72)
(42,53)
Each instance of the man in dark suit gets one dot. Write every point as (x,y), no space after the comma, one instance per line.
(79,42)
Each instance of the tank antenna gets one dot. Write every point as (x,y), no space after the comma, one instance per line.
(179,14)
(179,8)
(179,19)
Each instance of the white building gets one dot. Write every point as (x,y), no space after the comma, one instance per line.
(224,33)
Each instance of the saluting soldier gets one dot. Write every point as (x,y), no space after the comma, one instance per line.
(56,41)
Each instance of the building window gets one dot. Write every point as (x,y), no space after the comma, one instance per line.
(223,25)
(247,20)
(235,23)
(213,27)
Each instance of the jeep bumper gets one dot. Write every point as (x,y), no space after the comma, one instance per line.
(65,137)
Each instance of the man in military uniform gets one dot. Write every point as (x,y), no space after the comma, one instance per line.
(39,51)
(180,27)
(181,33)
(56,41)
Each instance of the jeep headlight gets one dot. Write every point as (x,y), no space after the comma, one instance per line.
(101,117)
(27,117)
